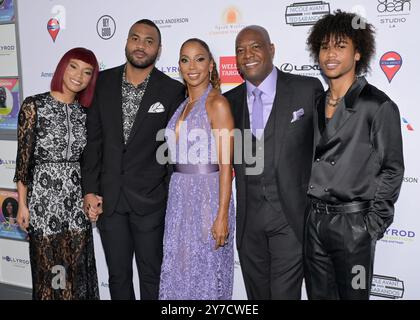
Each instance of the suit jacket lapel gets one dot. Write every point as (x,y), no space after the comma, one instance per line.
(344,111)
(319,120)
(282,109)
(115,101)
(152,91)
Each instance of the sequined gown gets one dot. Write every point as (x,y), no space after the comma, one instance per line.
(192,269)
(51,138)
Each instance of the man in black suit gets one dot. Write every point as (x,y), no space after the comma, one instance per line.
(358,165)
(271,193)
(132,103)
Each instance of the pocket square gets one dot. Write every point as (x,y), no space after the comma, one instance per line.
(157,108)
(297,115)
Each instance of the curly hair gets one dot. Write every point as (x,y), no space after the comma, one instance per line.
(214,75)
(341,25)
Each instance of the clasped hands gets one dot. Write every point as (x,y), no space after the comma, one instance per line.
(92,206)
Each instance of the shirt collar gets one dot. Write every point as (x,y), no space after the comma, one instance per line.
(268,86)
(127,83)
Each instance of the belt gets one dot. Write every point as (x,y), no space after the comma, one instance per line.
(347,207)
(196,168)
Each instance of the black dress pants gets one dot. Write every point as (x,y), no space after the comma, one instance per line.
(270,254)
(339,253)
(124,234)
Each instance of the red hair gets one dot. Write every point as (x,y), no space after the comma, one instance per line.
(84,97)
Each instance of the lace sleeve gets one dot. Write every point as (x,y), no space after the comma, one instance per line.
(26,141)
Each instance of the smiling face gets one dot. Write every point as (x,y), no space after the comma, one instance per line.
(76,76)
(338,58)
(143,46)
(195,64)
(254,55)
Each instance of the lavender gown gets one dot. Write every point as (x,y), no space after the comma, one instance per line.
(192,269)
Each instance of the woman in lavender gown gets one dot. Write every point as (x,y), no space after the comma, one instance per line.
(199,227)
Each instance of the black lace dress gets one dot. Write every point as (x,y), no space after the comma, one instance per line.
(51,139)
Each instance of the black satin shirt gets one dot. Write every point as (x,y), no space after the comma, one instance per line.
(358,154)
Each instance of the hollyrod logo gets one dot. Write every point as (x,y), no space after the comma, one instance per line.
(398,236)
(390,64)
(18,262)
(229,73)
(171,71)
(407,124)
(306,13)
(8,164)
(387,287)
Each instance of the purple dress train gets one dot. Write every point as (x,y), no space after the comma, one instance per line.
(192,269)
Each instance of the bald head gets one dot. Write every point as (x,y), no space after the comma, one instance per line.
(258,29)
(254,54)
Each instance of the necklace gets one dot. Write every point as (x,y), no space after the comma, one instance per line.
(333,102)
(182,117)
(186,107)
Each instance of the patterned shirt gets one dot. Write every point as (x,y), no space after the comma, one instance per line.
(131,99)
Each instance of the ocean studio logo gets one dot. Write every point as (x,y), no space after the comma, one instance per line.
(228,71)
(390,63)
(231,22)
(393,12)
(306,13)
(407,124)
(312,70)
(106,27)
(387,287)
(399,236)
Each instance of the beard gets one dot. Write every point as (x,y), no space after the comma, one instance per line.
(147,61)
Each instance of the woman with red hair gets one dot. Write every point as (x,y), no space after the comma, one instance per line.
(51,139)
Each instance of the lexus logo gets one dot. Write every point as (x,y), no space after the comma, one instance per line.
(286,67)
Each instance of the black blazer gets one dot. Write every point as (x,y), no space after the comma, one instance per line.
(359,154)
(294,146)
(109,165)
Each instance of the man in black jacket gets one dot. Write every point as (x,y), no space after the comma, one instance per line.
(132,103)
(358,164)
(271,193)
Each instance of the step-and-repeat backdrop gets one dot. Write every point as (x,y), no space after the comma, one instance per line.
(47,29)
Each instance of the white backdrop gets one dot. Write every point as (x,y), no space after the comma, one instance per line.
(102,26)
